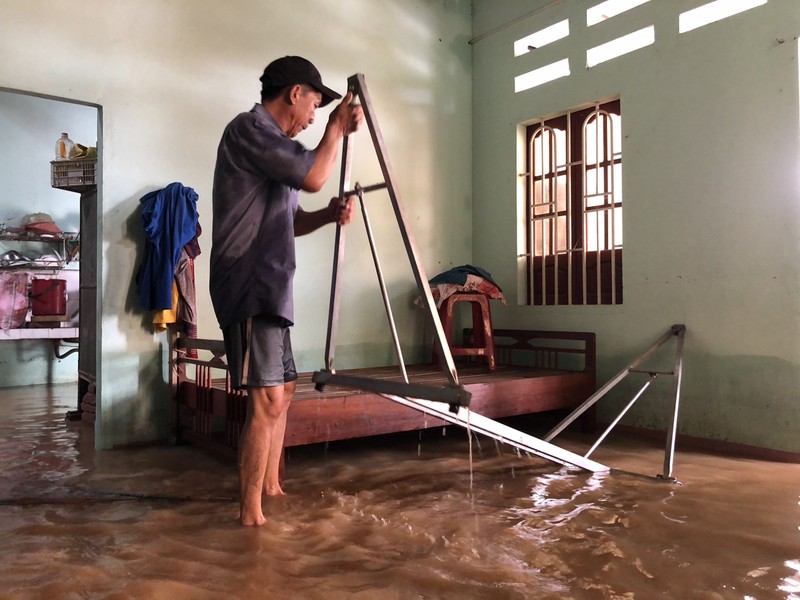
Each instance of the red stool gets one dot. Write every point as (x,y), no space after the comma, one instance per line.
(483,341)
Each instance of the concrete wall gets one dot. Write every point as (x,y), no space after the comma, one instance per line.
(711,210)
(169,75)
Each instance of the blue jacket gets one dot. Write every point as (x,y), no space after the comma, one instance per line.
(169,220)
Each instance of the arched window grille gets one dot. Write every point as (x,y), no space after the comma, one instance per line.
(574,207)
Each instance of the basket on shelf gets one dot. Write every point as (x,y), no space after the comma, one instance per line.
(74,175)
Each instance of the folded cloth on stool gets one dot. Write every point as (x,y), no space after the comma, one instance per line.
(463,279)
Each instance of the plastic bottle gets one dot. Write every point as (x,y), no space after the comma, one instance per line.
(63,147)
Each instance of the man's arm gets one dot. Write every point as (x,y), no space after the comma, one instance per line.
(344,120)
(335,212)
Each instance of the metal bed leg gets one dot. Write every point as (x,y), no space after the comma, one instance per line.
(678,331)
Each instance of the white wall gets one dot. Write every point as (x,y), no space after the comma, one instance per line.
(711,210)
(30,127)
(170,74)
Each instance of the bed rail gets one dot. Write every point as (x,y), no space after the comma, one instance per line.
(560,350)
(208,413)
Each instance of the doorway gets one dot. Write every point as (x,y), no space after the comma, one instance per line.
(65,349)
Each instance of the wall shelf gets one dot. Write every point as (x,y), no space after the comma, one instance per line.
(40,333)
(53,251)
(64,241)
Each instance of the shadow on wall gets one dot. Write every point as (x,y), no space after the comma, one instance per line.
(136,404)
(134,240)
(136,396)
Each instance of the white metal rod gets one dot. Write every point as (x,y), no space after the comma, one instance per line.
(381,283)
(669,451)
(619,416)
(605,388)
(502,433)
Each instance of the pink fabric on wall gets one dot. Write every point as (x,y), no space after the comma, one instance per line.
(13,299)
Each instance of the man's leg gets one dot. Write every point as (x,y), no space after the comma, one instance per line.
(264,408)
(272,483)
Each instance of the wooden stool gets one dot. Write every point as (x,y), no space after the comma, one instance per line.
(483,341)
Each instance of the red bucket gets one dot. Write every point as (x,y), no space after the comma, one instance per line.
(48,297)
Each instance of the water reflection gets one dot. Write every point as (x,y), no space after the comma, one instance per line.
(791,583)
(401,517)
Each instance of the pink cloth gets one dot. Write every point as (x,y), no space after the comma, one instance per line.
(473,285)
(13,299)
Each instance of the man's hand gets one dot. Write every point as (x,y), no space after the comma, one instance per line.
(348,116)
(336,212)
(341,212)
(344,120)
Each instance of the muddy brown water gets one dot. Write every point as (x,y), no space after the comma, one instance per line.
(397,517)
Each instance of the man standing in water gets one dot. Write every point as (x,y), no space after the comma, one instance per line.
(256,216)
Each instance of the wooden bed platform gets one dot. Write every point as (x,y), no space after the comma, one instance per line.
(536,371)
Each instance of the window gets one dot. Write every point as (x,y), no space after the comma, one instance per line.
(574,207)
(610,8)
(713,12)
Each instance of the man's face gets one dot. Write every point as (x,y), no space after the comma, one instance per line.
(307,101)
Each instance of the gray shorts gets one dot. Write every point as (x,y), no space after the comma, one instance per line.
(259,353)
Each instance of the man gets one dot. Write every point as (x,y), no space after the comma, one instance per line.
(259,172)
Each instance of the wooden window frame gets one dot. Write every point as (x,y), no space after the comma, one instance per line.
(561,270)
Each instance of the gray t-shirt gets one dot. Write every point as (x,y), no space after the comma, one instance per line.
(258,174)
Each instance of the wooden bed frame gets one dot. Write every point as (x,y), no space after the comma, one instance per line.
(536,371)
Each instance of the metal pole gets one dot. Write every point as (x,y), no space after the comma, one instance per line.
(603,390)
(669,451)
(619,416)
(357,82)
(384,294)
(454,394)
(338,256)
(477,423)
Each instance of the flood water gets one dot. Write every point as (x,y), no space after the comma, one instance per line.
(398,517)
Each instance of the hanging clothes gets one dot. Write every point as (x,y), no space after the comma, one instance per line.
(169,219)
(163,319)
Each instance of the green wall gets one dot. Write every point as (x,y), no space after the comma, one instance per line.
(711,202)
(710,119)
(169,75)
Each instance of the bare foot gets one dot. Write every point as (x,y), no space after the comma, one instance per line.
(254,518)
(274,490)
(255,521)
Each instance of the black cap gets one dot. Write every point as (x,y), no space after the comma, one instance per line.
(290,70)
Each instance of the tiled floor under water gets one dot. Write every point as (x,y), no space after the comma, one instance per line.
(398,517)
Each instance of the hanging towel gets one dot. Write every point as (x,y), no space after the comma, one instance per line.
(169,220)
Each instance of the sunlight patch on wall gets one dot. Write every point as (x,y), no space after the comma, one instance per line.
(542,75)
(618,47)
(714,11)
(610,8)
(541,38)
